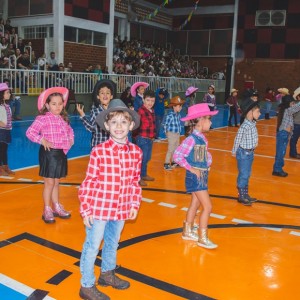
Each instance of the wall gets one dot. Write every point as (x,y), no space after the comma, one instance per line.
(81,55)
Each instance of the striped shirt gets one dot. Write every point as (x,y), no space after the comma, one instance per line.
(111,186)
(288,120)
(247,136)
(52,128)
(173,123)
(98,135)
(186,147)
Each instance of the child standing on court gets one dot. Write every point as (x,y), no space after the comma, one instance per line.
(193,155)
(146,133)
(5,129)
(51,129)
(109,195)
(172,130)
(233,104)
(245,143)
(285,126)
(104,91)
(210,97)
(161,95)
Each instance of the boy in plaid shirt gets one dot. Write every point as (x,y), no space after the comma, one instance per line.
(109,195)
(147,133)
(172,130)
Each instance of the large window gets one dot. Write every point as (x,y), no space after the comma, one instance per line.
(29,7)
(84,36)
(38,32)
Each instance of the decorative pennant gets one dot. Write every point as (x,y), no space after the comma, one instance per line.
(188,19)
(155,12)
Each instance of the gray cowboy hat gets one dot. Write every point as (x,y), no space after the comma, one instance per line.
(117,105)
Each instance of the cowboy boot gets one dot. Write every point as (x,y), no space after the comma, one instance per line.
(59,211)
(188,233)
(249,197)
(204,240)
(2,171)
(8,170)
(109,278)
(92,293)
(243,198)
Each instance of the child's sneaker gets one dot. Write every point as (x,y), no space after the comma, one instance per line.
(168,167)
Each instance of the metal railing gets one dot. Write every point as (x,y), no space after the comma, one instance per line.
(32,82)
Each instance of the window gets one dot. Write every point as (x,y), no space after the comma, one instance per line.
(37,32)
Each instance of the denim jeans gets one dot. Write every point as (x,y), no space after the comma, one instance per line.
(294,139)
(282,138)
(15,103)
(146,145)
(158,121)
(268,106)
(110,231)
(244,163)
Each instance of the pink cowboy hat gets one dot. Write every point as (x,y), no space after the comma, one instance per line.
(199,110)
(190,91)
(46,93)
(4,87)
(136,85)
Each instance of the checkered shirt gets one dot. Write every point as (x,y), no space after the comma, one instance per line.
(52,128)
(98,135)
(173,123)
(111,186)
(147,127)
(247,136)
(288,120)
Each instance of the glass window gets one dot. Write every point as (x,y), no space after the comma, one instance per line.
(70,34)
(84,36)
(99,39)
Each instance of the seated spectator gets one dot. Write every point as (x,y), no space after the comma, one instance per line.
(127,98)
(52,62)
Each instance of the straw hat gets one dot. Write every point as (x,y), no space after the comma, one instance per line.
(175,101)
(199,110)
(233,91)
(283,91)
(46,93)
(296,93)
(117,105)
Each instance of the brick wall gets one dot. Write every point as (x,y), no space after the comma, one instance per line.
(81,55)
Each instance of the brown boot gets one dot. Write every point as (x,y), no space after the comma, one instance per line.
(142,183)
(8,170)
(2,171)
(148,178)
(110,278)
(92,293)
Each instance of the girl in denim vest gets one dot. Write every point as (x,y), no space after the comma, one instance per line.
(193,155)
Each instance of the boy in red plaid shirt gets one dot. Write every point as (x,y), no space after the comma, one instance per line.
(109,195)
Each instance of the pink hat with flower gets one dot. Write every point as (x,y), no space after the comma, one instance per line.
(46,93)
(190,91)
(136,85)
(199,110)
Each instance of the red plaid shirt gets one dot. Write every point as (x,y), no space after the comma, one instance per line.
(147,127)
(111,186)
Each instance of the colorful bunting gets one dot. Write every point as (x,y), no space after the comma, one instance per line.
(155,12)
(188,19)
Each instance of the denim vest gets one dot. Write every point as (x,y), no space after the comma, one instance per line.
(198,156)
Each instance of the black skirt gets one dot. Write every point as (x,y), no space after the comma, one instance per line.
(5,136)
(53,163)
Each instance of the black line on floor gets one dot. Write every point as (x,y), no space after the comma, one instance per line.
(37,295)
(59,277)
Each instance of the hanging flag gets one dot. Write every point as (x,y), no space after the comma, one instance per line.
(188,19)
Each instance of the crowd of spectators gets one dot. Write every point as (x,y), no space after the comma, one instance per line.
(138,57)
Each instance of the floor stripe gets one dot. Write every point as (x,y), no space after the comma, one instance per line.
(294,233)
(241,221)
(274,229)
(59,277)
(217,216)
(147,200)
(167,204)
(25,179)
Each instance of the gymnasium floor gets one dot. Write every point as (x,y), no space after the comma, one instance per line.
(257,257)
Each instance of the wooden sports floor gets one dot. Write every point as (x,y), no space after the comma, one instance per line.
(259,246)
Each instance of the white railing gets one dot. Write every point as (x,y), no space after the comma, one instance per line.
(33,81)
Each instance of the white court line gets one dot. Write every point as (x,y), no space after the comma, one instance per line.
(273,228)
(167,204)
(217,216)
(147,200)
(25,179)
(18,286)
(297,233)
(241,221)
(7,177)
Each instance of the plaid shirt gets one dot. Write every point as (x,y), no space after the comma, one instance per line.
(111,186)
(186,147)
(287,120)
(147,127)
(247,136)
(98,135)
(52,128)
(173,123)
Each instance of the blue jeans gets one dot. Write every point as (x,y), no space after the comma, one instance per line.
(294,139)
(244,163)
(158,121)
(268,106)
(282,139)
(15,103)
(110,231)
(146,145)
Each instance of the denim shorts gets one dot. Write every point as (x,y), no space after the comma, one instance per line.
(194,184)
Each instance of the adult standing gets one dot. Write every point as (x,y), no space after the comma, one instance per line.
(296,131)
